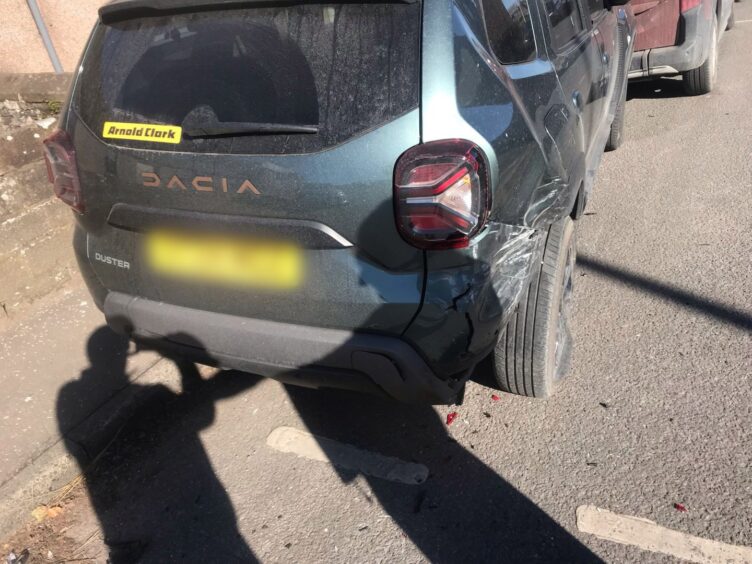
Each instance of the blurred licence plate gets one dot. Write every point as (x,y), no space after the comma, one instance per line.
(225,260)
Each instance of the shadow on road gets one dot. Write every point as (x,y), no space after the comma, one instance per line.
(153,488)
(465,511)
(686,299)
(656,88)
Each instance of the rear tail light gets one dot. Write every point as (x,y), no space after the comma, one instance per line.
(441,194)
(689,4)
(62,170)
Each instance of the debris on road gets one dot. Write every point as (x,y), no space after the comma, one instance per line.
(46,122)
(44,512)
(451,417)
(14,558)
(680,507)
(494,397)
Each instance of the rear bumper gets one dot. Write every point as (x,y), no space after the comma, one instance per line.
(691,53)
(301,355)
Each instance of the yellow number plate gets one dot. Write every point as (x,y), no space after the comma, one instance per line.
(224,260)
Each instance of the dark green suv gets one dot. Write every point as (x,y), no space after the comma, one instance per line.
(374,196)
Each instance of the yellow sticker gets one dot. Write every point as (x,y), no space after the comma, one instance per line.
(142,132)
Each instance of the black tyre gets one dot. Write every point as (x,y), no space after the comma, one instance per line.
(616,136)
(702,79)
(533,352)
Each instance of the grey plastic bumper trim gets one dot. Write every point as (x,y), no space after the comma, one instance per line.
(311,356)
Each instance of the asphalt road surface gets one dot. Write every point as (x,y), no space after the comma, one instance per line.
(653,423)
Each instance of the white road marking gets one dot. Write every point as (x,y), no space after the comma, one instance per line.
(743,21)
(312,447)
(648,535)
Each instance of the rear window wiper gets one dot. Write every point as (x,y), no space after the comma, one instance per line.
(202,122)
(228,128)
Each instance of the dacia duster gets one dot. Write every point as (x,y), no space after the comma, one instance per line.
(375,196)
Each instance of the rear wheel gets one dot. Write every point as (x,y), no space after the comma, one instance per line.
(533,352)
(702,79)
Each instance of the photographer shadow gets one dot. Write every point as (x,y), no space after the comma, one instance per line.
(152,486)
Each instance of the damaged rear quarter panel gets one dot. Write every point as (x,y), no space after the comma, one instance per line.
(502,108)
(466,305)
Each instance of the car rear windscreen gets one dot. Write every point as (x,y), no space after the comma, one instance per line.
(335,70)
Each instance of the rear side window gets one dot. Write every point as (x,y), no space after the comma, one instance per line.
(565,21)
(510,32)
(343,68)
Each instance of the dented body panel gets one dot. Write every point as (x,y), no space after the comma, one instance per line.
(543,151)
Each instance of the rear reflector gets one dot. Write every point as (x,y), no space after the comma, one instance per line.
(62,169)
(441,194)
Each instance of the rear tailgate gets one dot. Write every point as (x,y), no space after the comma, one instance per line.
(349,70)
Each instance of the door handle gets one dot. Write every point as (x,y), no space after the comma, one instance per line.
(605,58)
(577,100)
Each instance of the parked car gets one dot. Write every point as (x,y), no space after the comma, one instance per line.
(680,37)
(372,196)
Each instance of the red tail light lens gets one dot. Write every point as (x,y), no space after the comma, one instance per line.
(441,194)
(62,169)
(689,4)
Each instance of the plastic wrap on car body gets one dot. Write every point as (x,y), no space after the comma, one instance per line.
(470,293)
(502,103)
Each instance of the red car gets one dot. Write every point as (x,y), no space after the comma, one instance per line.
(680,37)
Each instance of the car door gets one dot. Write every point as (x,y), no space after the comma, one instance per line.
(604,32)
(576,55)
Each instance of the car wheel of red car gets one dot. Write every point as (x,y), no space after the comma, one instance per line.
(533,352)
(702,79)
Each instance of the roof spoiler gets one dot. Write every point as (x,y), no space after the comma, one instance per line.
(118,10)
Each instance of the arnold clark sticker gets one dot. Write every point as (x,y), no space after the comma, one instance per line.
(142,132)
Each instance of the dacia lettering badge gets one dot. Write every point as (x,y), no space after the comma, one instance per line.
(142,132)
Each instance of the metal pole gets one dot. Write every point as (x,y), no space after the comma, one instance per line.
(39,20)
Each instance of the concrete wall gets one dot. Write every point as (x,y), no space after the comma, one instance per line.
(69,23)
